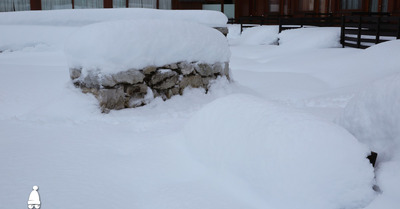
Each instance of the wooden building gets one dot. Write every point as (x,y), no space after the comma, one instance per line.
(232,8)
(300,7)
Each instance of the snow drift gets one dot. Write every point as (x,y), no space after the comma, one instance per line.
(310,38)
(373,117)
(282,154)
(260,35)
(121,45)
(79,17)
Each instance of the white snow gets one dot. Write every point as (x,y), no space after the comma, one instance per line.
(266,140)
(121,45)
(259,35)
(305,38)
(80,17)
(372,116)
(282,154)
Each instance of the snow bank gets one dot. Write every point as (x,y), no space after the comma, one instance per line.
(282,154)
(310,38)
(260,35)
(79,17)
(33,38)
(121,45)
(373,116)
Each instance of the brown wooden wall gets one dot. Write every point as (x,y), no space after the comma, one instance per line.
(262,7)
(36,5)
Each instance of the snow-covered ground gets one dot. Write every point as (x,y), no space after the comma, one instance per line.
(292,131)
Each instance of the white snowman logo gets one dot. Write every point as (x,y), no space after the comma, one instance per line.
(34,199)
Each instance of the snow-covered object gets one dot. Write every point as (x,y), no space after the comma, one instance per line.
(121,45)
(310,38)
(373,117)
(33,37)
(290,159)
(79,17)
(260,35)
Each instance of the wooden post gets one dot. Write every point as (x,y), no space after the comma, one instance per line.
(342,28)
(108,3)
(359,32)
(73,4)
(398,28)
(222,6)
(378,30)
(36,4)
(127,3)
(158,4)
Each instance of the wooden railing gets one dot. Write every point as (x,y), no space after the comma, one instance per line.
(356,31)
(288,22)
(299,22)
(362,32)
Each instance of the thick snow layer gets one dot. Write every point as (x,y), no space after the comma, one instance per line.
(121,45)
(33,38)
(306,38)
(54,136)
(79,17)
(373,117)
(259,35)
(282,154)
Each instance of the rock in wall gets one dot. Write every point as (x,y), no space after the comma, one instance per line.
(137,87)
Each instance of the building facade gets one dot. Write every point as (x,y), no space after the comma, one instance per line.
(300,7)
(232,8)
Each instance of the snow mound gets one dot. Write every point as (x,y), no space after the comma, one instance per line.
(39,38)
(310,38)
(121,45)
(79,17)
(282,154)
(373,116)
(260,35)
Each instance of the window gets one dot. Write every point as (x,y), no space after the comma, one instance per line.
(306,5)
(119,3)
(56,4)
(351,4)
(143,3)
(81,4)
(14,5)
(274,5)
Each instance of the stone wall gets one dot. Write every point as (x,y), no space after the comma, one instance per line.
(134,88)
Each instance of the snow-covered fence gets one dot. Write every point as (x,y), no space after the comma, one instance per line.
(362,32)
(288,22)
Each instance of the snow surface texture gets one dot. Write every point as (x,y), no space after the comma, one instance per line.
(282,154)
(117,46)
(258,36)
(376,106)
(300,38)
(373,117)
(55,137)
(79,17)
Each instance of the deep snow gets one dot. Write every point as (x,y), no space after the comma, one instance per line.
(267,140)
(117,46)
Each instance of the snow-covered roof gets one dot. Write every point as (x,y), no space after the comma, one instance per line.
(79,17)
(121,45)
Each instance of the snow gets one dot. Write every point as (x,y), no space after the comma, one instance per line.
(259,35)
(121,45)
(266,140)
(305,38)
(80,17)
(372,116)
(282,154)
